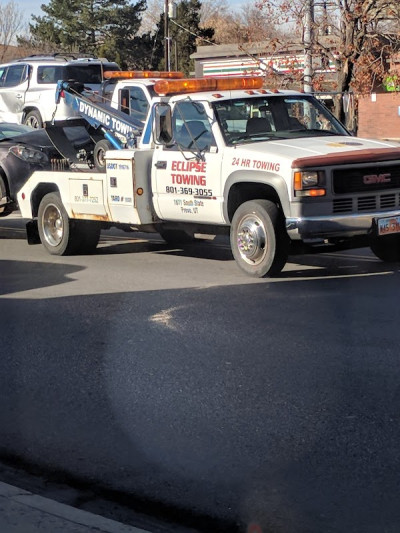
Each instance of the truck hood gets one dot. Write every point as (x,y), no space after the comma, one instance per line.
(326,150)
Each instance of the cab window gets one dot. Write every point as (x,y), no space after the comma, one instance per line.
(133,102)
(191,127)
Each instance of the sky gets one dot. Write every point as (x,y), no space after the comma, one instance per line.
(32,7)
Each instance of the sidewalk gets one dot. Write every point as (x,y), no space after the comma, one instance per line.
(24,512)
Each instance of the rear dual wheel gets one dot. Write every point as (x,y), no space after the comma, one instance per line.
(61,235)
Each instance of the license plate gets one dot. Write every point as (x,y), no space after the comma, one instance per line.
(388,225)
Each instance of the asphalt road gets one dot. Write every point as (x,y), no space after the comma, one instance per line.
(166,374)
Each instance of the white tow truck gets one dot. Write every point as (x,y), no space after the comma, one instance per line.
(274,169)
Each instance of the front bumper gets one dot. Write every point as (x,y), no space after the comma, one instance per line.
(317,228)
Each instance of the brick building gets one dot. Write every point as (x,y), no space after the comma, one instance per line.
(379,115)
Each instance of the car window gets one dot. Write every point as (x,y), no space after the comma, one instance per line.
(91,73)
(12,130)
(50,73)
(3,72)
(16,74)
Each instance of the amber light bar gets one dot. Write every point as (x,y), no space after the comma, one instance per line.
(133,74)
(192,85)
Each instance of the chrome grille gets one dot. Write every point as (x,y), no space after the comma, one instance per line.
(389,201)
(343,205)
(366,203)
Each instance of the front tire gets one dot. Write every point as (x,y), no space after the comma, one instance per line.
(387,248)
(259,242)
(61,235)
(34,119)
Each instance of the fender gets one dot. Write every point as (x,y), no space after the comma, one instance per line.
(277,182)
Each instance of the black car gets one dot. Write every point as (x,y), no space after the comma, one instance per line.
(24,150)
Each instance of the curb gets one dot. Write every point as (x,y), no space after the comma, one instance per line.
(22,511)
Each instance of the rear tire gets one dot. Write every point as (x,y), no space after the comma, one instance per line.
(259,242)
(387,248)
(61,235)
(34,119)
(99,154)
(3,194)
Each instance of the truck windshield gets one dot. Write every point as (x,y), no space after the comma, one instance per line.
(272,117)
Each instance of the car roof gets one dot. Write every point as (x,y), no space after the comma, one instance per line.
(59,58)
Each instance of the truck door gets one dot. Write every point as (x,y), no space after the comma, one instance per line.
(13,87)
(186,176)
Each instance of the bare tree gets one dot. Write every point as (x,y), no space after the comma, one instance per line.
(249,24)
(151,17)
(350,34)
(11,22)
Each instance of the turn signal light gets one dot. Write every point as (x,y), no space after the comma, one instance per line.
(309,183)
(192,85)
(133,74)
(311,192)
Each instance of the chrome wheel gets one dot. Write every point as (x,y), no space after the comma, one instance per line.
(252,240)
(32,122)
(34,119)
(259,241)
(53,225)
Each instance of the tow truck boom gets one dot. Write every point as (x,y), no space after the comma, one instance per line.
(118,128)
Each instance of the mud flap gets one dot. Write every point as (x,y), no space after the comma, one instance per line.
(32,232)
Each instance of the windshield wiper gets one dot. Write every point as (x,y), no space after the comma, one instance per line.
(322,132)
(256,137)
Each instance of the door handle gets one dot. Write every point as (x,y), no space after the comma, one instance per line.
(162,165)
(18,95)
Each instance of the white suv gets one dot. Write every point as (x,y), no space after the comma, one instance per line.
(28,86)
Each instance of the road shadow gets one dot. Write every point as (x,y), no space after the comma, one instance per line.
(17,276)
(336,264)
(268,403)
(358,261)
(12,233)
(201,249)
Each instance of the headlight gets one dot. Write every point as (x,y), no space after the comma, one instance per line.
(309,183)
(30,155)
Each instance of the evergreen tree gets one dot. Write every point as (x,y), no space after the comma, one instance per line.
(101,27)
(185,33)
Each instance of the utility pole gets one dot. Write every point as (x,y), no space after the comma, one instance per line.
(166,37)
(308,41)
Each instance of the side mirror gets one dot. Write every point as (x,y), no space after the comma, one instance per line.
(163,124)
